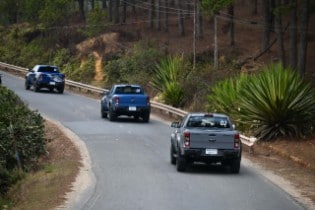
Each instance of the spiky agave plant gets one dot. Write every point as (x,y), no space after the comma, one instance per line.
(168,76)
(169,70)
(277,102)
(173,94)
(225,95)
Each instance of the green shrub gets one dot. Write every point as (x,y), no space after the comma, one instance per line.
(96,20)
(61,58)
(132,67)
(9,178)
(21,133)
(277,102)
(169,74)
(173,94)
(225,95)
(273,103)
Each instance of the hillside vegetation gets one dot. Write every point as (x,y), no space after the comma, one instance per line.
(260,70)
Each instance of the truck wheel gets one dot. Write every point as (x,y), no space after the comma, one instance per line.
(60,90)
(27,85)
(235,166)
(36,88)
(172,155)
(111,115)
(146,117)
(180,163)
(103,114)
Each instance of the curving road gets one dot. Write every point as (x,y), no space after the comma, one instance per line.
(131,168)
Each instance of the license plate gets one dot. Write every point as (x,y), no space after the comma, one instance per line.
(132,108)
(211,151)
(52,83)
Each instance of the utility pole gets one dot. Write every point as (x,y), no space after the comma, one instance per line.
(216,63)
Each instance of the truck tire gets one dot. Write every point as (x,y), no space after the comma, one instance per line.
(27,85)
(103,114)
(172,155)
(146,117)
(36,88)
(180,163)
(60,90)
(235,166)
(111,115)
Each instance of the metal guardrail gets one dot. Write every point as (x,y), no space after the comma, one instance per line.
(164,109)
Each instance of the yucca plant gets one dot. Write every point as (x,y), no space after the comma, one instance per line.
(173,94)
(225,96)
(277,102)
(167,71)
(168,76)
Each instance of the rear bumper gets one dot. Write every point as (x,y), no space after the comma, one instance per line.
(200,155)
(125,110)
(50,85)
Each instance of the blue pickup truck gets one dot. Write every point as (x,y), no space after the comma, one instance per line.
(126,99)
(45,76)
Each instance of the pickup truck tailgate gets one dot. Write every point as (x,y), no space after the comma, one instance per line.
(212,139)
(133,100)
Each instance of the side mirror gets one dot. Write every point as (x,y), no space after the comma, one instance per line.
(106,92)
(175,124)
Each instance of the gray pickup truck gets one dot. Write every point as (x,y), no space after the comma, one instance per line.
(208,138)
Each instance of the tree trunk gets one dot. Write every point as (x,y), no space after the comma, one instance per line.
(104,5)
(92,4)
(231,28)
(133,2)
(158,15)
(124,14)
(303,36)
(116,12)
(166,6)
(180,18)
(81,9)
(293,35)
(199,21)
(254,11)
(110,10)
(151,13)
(267,24)
(279,31)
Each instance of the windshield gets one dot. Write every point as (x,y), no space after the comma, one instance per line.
(48,69)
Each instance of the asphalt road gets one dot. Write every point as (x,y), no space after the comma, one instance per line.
(131,167)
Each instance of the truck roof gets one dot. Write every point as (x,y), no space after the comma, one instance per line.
(124,85)
(207,113)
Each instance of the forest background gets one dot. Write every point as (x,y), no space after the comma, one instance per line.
(193,54)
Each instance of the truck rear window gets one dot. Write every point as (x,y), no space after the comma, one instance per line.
(208,122)
(128,90)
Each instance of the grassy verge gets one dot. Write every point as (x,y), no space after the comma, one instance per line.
(47,187)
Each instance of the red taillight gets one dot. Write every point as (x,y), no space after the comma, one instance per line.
(148,100)
(186,139)
(116,100)
(236,140)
